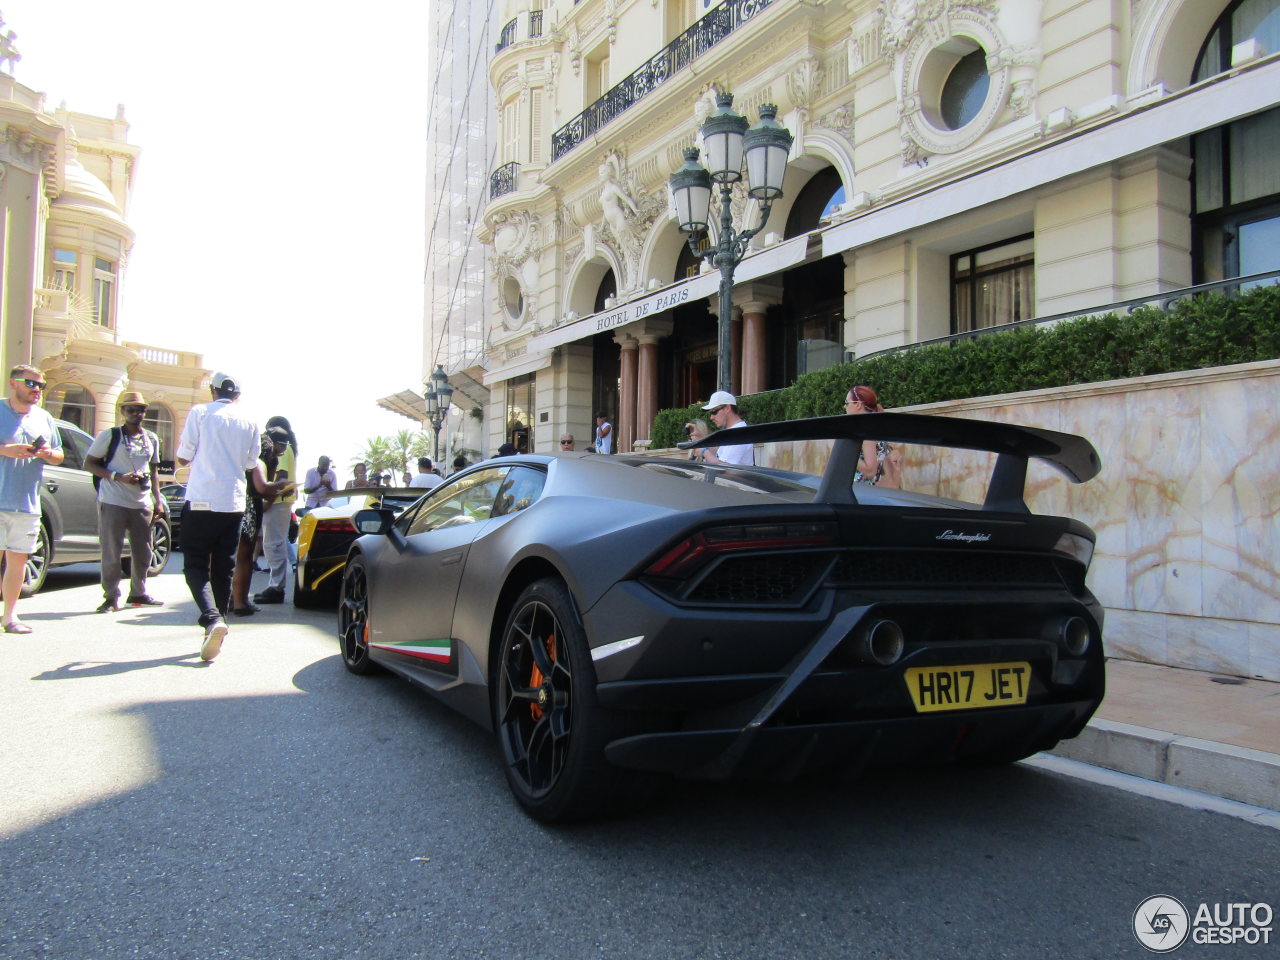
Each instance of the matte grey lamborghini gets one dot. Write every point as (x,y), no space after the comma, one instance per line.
(618,619)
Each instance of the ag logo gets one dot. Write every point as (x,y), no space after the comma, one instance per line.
(1161,924)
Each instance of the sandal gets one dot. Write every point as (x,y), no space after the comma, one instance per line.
(14,626)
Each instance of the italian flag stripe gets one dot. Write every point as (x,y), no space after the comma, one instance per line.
(436,650)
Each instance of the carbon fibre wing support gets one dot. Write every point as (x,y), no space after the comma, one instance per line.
(1072,456)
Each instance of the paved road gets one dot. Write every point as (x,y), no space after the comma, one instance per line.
(271,806)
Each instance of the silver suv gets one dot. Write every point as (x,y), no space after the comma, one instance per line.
(69,521)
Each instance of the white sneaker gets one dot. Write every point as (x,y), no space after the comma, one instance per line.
(214,634)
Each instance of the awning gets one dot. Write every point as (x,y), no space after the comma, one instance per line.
(407,404)
(764,263)
(1144,128)
(467,389)
(527,362)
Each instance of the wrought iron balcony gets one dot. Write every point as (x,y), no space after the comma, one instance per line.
(504,180)
(507,37)
(535,23)
(675,56)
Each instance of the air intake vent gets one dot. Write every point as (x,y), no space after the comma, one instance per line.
(773,578)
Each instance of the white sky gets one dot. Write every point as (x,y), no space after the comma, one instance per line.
(279,199)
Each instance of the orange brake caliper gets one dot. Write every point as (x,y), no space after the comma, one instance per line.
(536,677)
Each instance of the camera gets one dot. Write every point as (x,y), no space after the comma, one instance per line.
(145,483)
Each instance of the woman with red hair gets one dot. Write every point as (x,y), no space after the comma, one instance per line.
(878,462)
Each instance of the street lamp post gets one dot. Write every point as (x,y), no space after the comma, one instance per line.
(726,139)
(438,396)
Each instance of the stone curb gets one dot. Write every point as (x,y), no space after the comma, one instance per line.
(1235,773)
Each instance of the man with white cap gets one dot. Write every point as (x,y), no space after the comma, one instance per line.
(723,410)
(220,444)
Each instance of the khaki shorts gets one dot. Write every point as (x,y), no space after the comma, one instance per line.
(18,531)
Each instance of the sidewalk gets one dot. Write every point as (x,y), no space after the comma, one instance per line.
(1188,729)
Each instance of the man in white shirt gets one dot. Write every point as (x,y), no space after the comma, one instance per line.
(723,410)
(220,445)
(604,433)
(320,484)
(425,478)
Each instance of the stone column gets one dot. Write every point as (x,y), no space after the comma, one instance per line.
(737,351)
(754,370)
(624,429)
(646,386)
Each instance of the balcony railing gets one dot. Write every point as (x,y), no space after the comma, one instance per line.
(507,37)
(504,180)
(675,56)
(535,23)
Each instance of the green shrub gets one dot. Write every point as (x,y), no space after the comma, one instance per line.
(1209,330)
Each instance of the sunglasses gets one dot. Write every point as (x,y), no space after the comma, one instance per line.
(715,411)
(33,384)
(134,409)
(565,442)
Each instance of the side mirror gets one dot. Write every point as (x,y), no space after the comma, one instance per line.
(376,522)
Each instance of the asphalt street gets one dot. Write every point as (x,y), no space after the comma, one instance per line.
(270,805)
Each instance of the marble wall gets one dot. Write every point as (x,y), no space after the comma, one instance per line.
(1186,508)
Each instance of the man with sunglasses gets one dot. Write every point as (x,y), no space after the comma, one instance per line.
(126,458)
(30,441)
(723,410)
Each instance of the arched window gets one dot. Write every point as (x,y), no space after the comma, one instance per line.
(1237,182)
(75,404)
(816,200)
(1243,20)
(159,420)
(607,290)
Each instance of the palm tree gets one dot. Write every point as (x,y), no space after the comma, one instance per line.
(380,453)
(402,442)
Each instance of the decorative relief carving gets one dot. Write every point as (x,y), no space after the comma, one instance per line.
(913,31)
(626,212)
(840,120)
(803,82)
(574,45)
(516,237)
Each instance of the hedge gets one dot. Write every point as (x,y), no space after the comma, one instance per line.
(1209,330)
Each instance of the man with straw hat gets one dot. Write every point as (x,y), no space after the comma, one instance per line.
(123,460)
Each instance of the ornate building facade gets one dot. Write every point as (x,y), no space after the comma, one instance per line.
(65,179)
(956,164)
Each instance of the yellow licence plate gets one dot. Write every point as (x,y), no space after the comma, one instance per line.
(968,687)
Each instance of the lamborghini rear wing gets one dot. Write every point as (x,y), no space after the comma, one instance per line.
(1071,455)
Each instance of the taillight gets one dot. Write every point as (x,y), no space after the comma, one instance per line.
(335,525)
(693,552)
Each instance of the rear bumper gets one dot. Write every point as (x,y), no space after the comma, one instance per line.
(784,695)
(787,752)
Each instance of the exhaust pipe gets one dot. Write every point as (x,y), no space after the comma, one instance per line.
(1074,636)
(881,643)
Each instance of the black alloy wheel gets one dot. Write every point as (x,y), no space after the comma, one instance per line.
(161,545)
(353,618)
(551,732)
